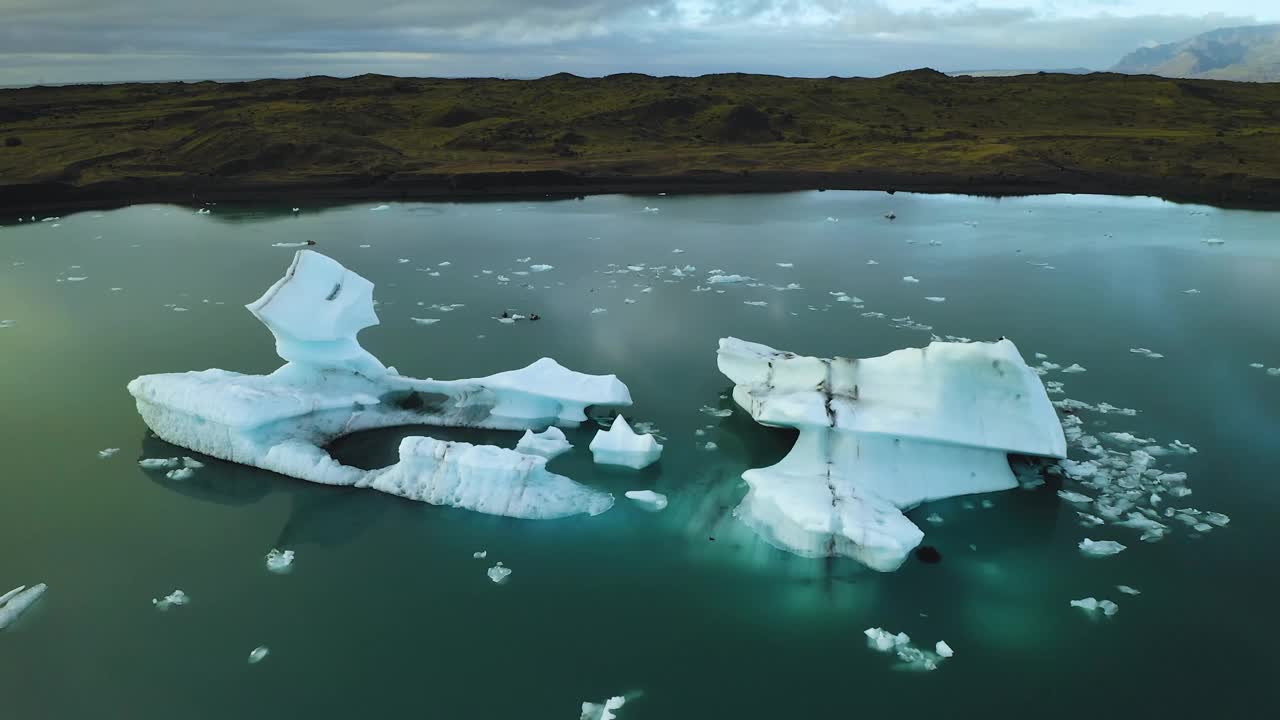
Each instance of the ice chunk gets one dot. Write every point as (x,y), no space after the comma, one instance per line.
(602,711)
(331,387)
(1074,497)
(107,452)
(1128,590)
(882,434)
(480,554)
(1092,605)
(910,279)
(1100,548)
(541,268)
(259,653)
(498,573)
(936,299)
(724,279)
(177,598)
(180,474)
(280,562)
(620,445)
(550,443)
(16,601)
(912,658)
(1074,368)
(943,649)
(425,321)
(648,499)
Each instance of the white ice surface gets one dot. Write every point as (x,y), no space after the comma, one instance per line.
(16,601)
(620,445)
(648,499)
(881,435)
(550,443)
(331,387)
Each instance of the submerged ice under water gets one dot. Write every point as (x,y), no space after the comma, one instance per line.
(1164,459)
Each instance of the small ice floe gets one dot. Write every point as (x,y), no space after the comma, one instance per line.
(710,446)
(913,658)
(934,518)
(380,208)
(628,301)
(725,279)
(7,323)
(1075,497)
(716,412)
(425,321)
(648,499)
(1273,372)
(78,278)
(1100,548)
(755,303)
(1087,520)
(290,244)
(550,443)
(604,710)
(936,299)
(832,219)
(1213,241)
(480,554)
(159,463)
(180,474)
(402,261)
(620,445)
(107,452)
(651,209)
(785,265)
(191,463)
(1125,438)
(677,251)
(279,561)
(1256,366)
(1093,605)
(1191,291)
(1074,368)
(297,210)
(177,598)
(446,263)
(262,651)
(541,268)
(597,311)
(499,573)
(872,262)
(910,279)
(1128,590)
(1147,352)
(16,601)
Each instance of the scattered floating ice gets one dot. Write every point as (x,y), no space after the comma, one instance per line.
(498,573)
(597,311)
(936,299)
(1128,590)
(872,262)
(620,445)
(7,323)
(934,518)
(1273,372)
(550,443)
(107,452)
(261,652)
(159,463)
(1191,291)
(716,412)
(910,279)
(425,321)
(651,209)
(725,279)
(1092,605)
(1257,366)
(785,265)
(279,561)
(180,474)
(480,554)
(1146,352)
(756,303)
(1074,368)
(177,598)
(602,711)
(648,499)
(16,601)
(709,446)
(541,268)
(832,219)
(913,658)
(1100,548)
(1213,241)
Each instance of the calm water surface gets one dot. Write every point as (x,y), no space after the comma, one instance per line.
(387,613)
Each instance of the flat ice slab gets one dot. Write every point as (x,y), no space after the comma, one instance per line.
(620,445)
(550,443)
(330,387)
(16,601)
(881,435)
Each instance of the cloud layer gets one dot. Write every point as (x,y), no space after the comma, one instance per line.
(92,40)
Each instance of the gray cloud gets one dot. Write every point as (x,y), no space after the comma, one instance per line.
(79,40)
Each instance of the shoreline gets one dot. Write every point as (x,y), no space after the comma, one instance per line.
(43,197)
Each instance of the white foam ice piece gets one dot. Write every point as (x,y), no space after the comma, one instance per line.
(1100,548)
(260,653)
(17,601)
(648,499)
(331,387)
(604,710)
(498,573)
(620,445)
(279,561)
(880,435)
(550,443)
(177,598)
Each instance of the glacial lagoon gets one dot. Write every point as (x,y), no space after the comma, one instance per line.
(1168,309)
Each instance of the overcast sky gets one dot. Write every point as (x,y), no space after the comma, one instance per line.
(59,41)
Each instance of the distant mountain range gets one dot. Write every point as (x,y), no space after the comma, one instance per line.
(1011,73)
(1240,53)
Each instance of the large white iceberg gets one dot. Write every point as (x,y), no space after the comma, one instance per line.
(882,435)
(330,387)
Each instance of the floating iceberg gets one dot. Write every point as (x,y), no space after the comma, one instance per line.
(620,445)
(177,598)
(648,499)
(881,435)
(330,387)
(16,601)
(550,443)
